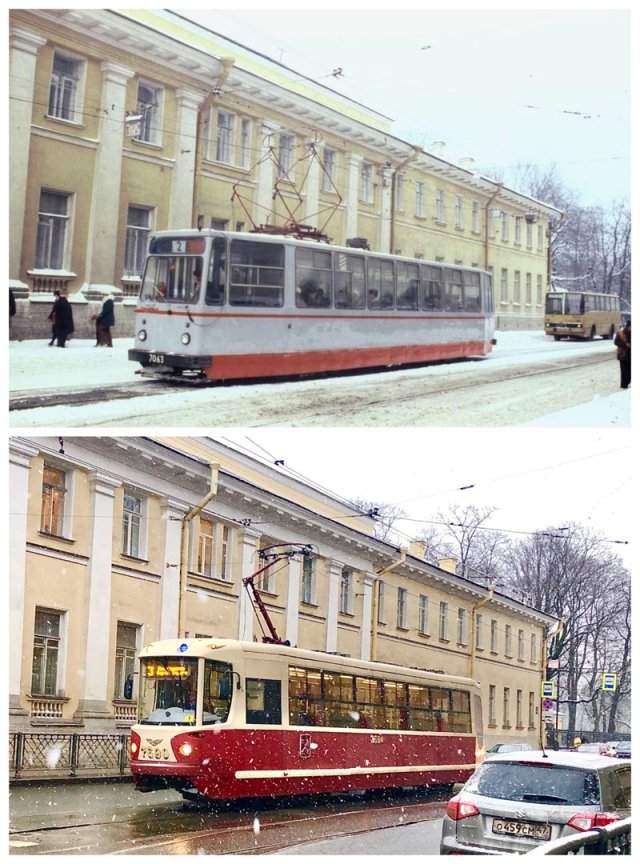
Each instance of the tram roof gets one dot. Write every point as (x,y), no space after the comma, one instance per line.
(207,647)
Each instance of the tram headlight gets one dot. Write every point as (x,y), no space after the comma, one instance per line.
(134,748)
(185,338)
(142,335)
(185,749)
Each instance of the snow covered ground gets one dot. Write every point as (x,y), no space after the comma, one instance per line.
(37,368)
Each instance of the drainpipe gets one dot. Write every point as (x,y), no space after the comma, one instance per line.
(184,546)
(227,64)
(486,224)
(474,609)
(416,152)
(374,606)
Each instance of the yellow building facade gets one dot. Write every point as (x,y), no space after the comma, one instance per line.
(95,545)
(122,123)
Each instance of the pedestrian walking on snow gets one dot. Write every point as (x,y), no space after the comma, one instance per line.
(61,317)
(104,322)
(623,345)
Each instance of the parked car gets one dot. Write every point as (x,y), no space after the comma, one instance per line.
(619,749)
(516,801)
(594,747)
(507,747)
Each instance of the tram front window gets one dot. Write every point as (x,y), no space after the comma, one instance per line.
(172,279)
(169,691)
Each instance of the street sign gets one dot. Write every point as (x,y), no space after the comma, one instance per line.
(609,682)
(548,705)
(549,689)
(549,717)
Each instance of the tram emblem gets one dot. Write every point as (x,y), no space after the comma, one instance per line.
(305,745)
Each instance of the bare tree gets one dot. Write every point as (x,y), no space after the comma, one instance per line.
(385,515)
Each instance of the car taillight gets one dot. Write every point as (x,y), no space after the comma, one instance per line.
(587,821)
(458,809)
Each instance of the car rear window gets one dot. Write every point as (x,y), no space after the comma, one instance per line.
(522,781)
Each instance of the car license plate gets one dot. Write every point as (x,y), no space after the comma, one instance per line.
(158,359)
(534,830)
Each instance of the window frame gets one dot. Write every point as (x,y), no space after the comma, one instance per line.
(133,238)
(401,608)
(127,545)
(151,123)
(443,621)
(58,647)
(78,89)
(57,222)
(345,603)
(123,653)
(423,614)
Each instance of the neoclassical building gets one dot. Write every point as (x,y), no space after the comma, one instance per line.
(97,536)
(123,122)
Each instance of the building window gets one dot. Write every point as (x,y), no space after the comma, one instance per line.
(346,591)
(224,553)
(399,192)
(308,579)
(538,290)
(440,208)
(266,580)
(218,224)
(459,211)
(205,547)
(540,237)
(53,494)
(504,222)
(529,235)
(245,142)
(528,289)
(462,626)
(285,155)
(328,170)
(507,640)
(518,230)
(531,709)
(479,632)
(423,614)
(520,644)
(64,87)
(504,287)
(366,183)
(516,287)
(138,231)
(381,619)
(519,709)
(401,618)
(149,107)
(126,643)
(53,218)
(443,621)
(534,649)
(420,200)
(46,652)
(506,708)
(494,636)
(475,217)
(492,704)
(224,141)
(132,525)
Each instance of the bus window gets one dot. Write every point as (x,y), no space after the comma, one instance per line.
(348,276)
(257,273)
(471,291)
(379,284)
(432,288)
(408,283)
(263,701)
(214,295)
(313,278)
(554,304)
(574,304)
(453,290)
(171,278)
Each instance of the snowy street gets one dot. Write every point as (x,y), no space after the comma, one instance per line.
(528,379)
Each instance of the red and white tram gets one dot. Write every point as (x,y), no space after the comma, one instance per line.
(227,719)
(221,306)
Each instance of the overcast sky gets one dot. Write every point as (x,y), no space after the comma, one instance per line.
(536,478)
(503,86)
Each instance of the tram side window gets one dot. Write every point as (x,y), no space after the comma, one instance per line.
(257,273)
(217,692)
(487,293)
(263,701)
(348,280)
(453,290)
(432,288)
(471,291)
(408,284)
(214,295)
(379,284)
(460,712)
(313,278)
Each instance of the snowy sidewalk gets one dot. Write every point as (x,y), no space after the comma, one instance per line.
(611,410)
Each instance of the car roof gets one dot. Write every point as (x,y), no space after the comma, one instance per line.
(569,759)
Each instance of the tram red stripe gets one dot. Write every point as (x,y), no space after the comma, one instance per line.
(231,366)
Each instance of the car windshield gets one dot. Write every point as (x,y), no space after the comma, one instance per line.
(527,781)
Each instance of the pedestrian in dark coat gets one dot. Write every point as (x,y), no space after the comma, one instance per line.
(12,304)
(623,344)
(61,317)
(104,322)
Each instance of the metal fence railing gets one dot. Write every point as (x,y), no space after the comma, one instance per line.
(53,754)
(614,839)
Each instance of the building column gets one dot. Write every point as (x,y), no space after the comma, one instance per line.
(368,580)
(95,702)
(20,457)
(312,187)
(249,542)
(184,172)
(263,207)
(172,514)
(384,238)
(333,600)
(293,600)
(23,58)
(354,167)
(105,203)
